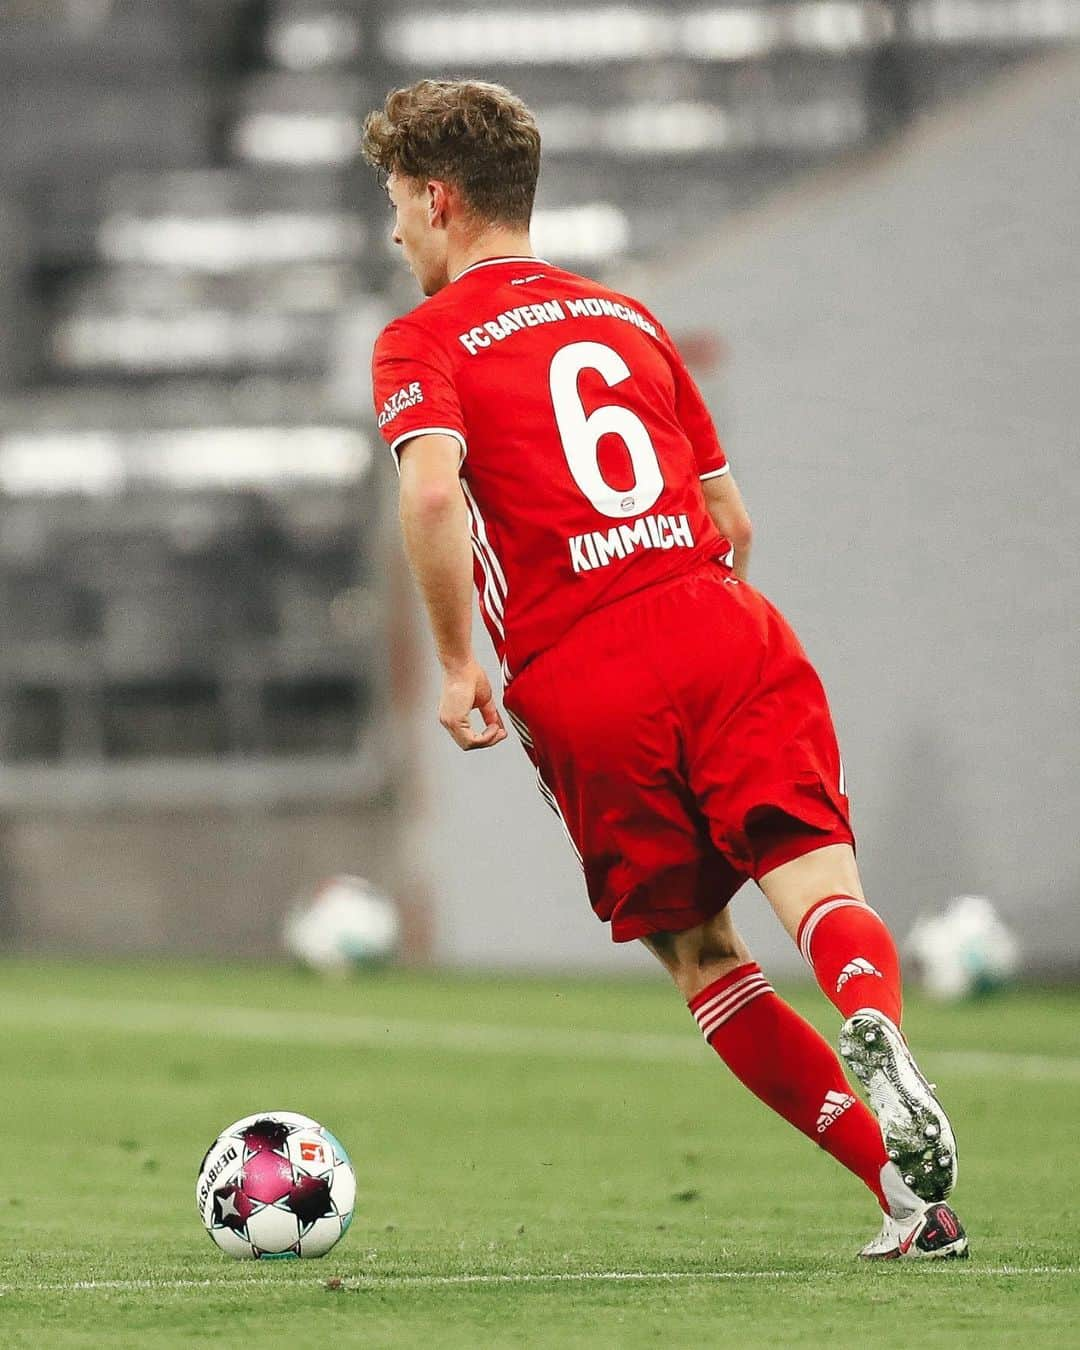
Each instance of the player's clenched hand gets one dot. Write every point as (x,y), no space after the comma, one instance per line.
(462,691)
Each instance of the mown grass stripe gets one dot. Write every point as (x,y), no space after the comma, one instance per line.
(336,1029)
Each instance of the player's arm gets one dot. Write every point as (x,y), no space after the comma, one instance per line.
(722,496)
(435,528)
(725,503)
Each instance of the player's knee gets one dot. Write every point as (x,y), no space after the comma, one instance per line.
(720,951)
(726,949)
(694,976)
(721,945)
(698,958)
(714,964)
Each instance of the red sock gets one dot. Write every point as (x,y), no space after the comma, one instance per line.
(783,1060)
(853,955)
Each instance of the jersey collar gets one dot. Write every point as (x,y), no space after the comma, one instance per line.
(495,262)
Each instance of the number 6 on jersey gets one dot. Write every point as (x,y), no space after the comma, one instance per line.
(580,433)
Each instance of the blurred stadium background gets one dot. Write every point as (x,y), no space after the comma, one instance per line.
(859,217)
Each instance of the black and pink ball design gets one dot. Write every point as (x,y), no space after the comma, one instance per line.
(276,1184)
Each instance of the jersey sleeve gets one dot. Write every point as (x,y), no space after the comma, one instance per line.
(696,419)
(413,389)
(693,415)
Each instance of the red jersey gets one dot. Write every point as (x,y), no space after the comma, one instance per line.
(583,441)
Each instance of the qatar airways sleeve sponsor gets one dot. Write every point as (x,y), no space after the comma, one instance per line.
(600,548)
(413,389)
(408,396)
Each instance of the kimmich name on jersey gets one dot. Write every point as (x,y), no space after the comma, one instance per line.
(599,548)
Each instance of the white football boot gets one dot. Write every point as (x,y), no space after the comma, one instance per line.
(932,1233)
(916,1131)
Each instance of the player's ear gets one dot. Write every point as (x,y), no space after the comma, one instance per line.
(438,200)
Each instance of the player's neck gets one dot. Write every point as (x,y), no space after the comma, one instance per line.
(494,243)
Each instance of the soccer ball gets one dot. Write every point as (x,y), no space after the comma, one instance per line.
(275,1184)
(965,950)
(347,924)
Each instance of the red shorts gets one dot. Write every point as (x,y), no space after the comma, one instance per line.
(686,742)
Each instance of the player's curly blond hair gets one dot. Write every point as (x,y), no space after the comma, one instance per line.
(478,136)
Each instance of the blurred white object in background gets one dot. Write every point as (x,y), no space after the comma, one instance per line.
(347,924)
(964,950)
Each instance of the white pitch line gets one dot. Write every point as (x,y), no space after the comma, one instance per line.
(358,1284)
(335,1030)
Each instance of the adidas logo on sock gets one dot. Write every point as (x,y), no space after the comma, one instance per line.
(860,966)
(832,1108)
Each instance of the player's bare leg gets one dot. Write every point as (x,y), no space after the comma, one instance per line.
(700,956)
(797,886)
(819,900)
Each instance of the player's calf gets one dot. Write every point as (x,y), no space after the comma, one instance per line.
(785,1062)
(818,898)
(852,954)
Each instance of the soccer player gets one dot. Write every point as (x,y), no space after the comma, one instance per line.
(554,451)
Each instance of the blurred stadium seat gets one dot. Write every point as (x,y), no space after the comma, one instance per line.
(193,262)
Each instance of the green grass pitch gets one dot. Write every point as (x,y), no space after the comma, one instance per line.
(541,1163)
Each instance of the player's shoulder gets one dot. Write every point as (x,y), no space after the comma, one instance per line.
(423,328)
(639,307)
(418,330)
(589,289)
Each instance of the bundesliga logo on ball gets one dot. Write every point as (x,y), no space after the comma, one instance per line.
(276,1184)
